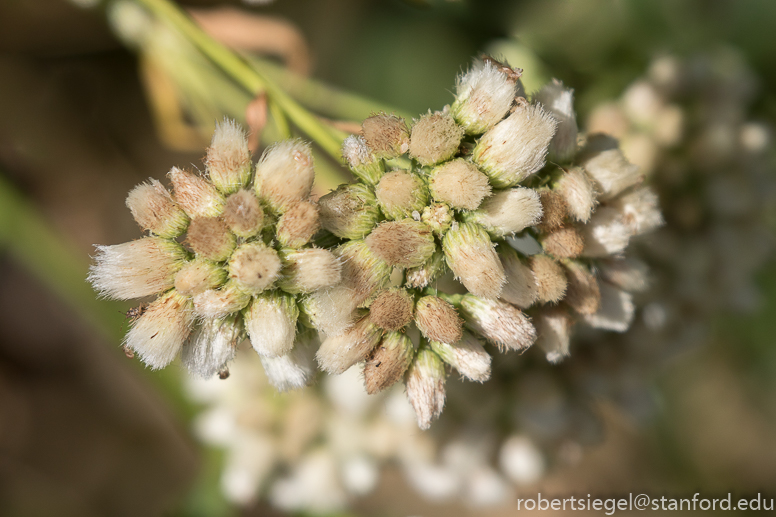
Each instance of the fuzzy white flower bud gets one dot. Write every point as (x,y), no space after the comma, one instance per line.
(405,243)
(199,275)
(629,274)
(484,94)
(291,371)
(350,212)
(640,210)
(615,311)
(154,210)
(508,211)
(386,135)
(498,322)
(271,323)
(466,355)
(520,288)
(438,320)
(559,101)
(212,346)
(553,326)
(228,158)
(338,353)
(361,161)
(426,386)
(578,192)
(388,363)
(470,254)
(606,233)
(243,214)
(400,193)
(254,267)
(611,172)
(197,196)
(284,174)
(459,184)
(435,138)
(308,270)
(516,147)
(219,303)
(135,269)
(159,333)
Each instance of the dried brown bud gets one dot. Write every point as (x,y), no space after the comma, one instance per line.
(298,225)
(583,295)
(550,279)
(210,238)
(243,214)
(564,243)
(388,363)
(435,138)
(404,243)
(386,135)
(438,320)
(392,309)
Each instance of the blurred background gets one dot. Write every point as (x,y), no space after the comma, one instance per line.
(89,108)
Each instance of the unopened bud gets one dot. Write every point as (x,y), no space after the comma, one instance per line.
(553,324)
(615,312)
(563,243)
(559,101)
(159,333)
(212,346)
(284,175)
(435,138)
(583,294)
(350,212)
(606,233)
(498,322)
(551,282)
(400,193)
(362,163)
(228,157)
(210,238)
(459,184)
(392,309)
(466,355)
(471,256)
(338,353)
(578,192)
(516,147)
(135,269)
(386,135)
(254,267)
(405,243)
(219,303)
(199,275)
(298,225)
(438,320)
(309,269)
(421,276)
(438,217)
(388,363)
(484,94)
(629,274)
(197,196)
(554,210)
(508,211)
(291,371)
(520,289)
(426,386)
(271,323)
(154,210)
(640,210)
(243,214)
(611,172)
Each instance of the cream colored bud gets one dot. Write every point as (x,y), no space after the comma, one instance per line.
(210,238)
(629,274)
(508,211)
(606,233)
(338,353)
(459,184)
(516,147)
(154,210)
(243,214)
(350,212)
(438,320)
(228,158)
(578,192)
(291,371)
(611,172)
(271,323)
(426,386)
(559,101)
(467,356)
(362,163)
(521,288)
(199,275)
(553,325)
(583,293)
(421,276)
(386,135)
(285,174)
(498,322)
(554,210)
(640,210)
(254,267)
(551,282)
(298,224)
(484,95)
(438,217)
(563,243)
(135,269)
(405,243)
(392,309)
(471,256)
(219,303)
(308,270)
(197,196)
(435,138)
(615,311)
(159,333)
(400,193)
(388,363)
(212,345)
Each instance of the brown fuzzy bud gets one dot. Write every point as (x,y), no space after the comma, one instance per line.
(298,225)
(554,210)
(350,212)
(392,309)
(438,320)
(550,279)
(386,135)
(254,267)
(438,217)
(564,243)
(404,243)
(154,210)
(435,138)
(388,362)
(198,276)
(426,386)
(210,238)
(243,214)
(520,288)
(400,193)
(470,254)
(498,322)
(422,276)
(459,184)
(284,175)
(197,196)
(309,269)
(338,353)
(583,294)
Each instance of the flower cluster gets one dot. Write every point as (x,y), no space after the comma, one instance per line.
(228,255)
